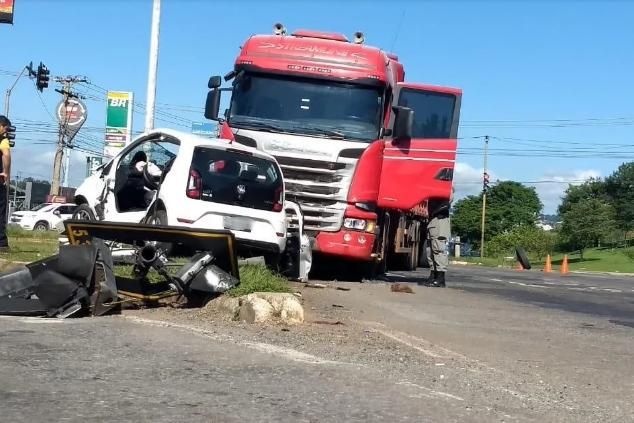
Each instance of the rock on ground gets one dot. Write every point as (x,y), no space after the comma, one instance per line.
(264,306)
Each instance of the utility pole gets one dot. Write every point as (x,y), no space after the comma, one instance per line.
(153,65)
(61,141)
(485,188)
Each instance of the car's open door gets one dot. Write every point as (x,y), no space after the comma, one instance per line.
(421,168)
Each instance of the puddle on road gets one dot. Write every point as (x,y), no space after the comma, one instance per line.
(622,323)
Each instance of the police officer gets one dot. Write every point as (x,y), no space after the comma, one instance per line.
(438,234)
(5,178)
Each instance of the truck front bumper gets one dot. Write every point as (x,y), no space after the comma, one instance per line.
(345,244)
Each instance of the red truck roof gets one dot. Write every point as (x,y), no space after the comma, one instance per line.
(435,88)
(314,53)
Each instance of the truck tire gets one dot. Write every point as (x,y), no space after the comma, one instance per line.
(412,257)
(423,254)
(522,258)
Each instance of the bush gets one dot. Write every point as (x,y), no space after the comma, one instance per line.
(257,278)
(536,242)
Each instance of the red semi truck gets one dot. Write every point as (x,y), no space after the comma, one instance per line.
(365,154)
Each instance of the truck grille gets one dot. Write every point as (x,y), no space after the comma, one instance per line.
(320,188)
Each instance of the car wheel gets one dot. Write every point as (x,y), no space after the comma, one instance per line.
(40,226)
(83,212)
(159,218)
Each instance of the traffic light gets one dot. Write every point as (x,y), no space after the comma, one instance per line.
(42,77)
(485,182)
(10,134)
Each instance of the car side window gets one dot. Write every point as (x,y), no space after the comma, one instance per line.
(66,209)
(159,152)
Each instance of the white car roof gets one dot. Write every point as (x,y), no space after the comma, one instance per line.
(192,140)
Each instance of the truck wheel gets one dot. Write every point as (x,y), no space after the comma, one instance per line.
(83,212)
(522,258)
(413,257)
(423,254)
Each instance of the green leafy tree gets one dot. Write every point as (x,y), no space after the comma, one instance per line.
(620,188)
(586,223)
(466,218)
(592,188)
(509,205)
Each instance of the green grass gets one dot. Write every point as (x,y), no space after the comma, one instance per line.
(599,260)
(253,278)
(619,260)
(28,246)
(17,232)
(257,278)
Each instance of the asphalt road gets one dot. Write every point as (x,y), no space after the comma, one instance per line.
(494,346)
(606,296)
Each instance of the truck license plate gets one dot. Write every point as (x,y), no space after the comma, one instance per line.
(237,223)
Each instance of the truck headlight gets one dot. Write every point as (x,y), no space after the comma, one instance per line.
(359,224)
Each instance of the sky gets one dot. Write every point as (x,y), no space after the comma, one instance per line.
(549,82)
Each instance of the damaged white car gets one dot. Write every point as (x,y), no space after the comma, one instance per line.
(172,178)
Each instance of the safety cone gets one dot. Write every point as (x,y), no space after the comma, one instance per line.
(519,267)
(549,266)
(564,266)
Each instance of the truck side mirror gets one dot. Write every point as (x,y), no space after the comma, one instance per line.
(214,82)
(212,105)
(403,123)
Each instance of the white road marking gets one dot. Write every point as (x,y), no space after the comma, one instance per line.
(288,353)
(528,284)
(497,280)
(35,320)
(430,392)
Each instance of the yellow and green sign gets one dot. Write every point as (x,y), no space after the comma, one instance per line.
(118,121)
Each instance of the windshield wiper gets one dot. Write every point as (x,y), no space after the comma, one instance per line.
(257,125)
(320,131)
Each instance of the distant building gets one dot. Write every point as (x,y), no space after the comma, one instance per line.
(545,226)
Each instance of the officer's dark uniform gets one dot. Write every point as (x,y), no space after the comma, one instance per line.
(5,148)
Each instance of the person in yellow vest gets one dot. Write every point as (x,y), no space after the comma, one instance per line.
(5,180)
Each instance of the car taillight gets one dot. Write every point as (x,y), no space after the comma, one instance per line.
(277,200)
(194,185)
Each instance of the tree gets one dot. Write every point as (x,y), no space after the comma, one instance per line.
(592,188)
(509,205)
(620,188)
(586,223)
(466,218)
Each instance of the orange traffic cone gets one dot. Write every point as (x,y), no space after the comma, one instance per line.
(564,266)
(549,266)
(519,267)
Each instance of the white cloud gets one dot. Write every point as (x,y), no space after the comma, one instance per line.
(39,164)
(555,184)
(468,180)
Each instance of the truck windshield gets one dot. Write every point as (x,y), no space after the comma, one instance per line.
(306,106)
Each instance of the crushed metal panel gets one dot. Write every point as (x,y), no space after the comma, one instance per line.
(219,243)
